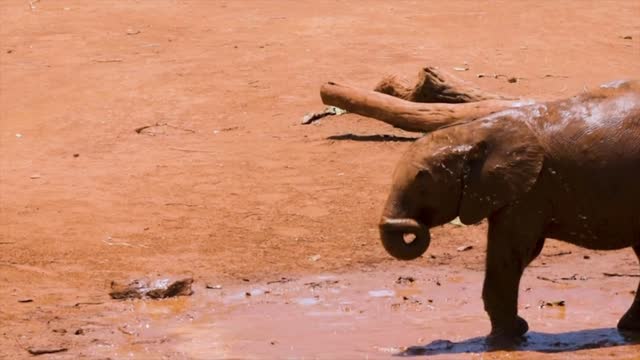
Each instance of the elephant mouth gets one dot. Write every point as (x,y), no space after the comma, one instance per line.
(404,239)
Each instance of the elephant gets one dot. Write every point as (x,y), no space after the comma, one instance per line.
(566,169)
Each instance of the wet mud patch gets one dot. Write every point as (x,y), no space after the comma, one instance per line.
(401,310)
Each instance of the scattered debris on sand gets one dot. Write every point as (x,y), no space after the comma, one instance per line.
(282,280)
(328,111)
(158,289)
(558,303)
(405,280)
(319,284)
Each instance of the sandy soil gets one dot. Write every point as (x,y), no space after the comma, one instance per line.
(226,184)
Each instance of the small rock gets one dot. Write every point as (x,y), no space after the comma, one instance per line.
(314,257)
(461,68)
(214,287)
(512,80)
(76,155)
(551,303)
(25,300)
(35,176)
(133,32)
(586,257)
(405,280)
(18,135)
(9,51)
(79,332)
(628,37)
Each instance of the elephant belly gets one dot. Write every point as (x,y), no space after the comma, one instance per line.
(594,211)
(612,232)
(596,242)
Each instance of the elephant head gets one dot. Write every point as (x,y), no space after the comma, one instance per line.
(468,171)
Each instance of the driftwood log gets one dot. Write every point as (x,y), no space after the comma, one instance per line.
(437,100)
(434,86)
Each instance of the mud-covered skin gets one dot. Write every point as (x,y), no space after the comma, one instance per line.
(567,170)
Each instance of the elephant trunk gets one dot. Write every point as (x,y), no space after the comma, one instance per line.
(395,235)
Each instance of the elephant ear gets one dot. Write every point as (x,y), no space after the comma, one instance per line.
(500,168)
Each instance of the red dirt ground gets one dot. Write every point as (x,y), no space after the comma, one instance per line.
(229,185)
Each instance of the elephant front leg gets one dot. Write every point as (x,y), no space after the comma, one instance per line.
(509,251)
(631,319)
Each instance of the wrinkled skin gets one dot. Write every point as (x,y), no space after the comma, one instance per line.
(567,170)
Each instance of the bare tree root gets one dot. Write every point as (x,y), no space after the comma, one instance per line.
(434,86)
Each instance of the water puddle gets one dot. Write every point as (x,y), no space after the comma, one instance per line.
(362,316)
(307,301)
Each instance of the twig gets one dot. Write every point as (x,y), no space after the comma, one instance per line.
(182,204)
(108,60)
(35,351)
(554,76)
(87,303)
(139,130)
(180,128)
(620,275)
(191,150)
(561,253)
(127,332)
(123,244)
(142,128)
(547,279)
(279,281)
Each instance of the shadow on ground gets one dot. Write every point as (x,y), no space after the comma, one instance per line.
(377,137)
(534,341)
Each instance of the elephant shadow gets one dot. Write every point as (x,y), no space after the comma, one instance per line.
(373,138)
(533,342)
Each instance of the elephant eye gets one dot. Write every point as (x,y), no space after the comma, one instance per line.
(424,177)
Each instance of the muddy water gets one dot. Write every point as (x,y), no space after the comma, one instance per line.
(408,311)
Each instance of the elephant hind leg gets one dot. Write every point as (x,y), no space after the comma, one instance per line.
(631,319)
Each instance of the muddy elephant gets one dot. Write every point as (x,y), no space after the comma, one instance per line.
(567,170)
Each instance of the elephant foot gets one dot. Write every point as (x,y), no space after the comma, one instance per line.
(505,337)
(631,320)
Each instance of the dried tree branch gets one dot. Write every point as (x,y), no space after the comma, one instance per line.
(407,115)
